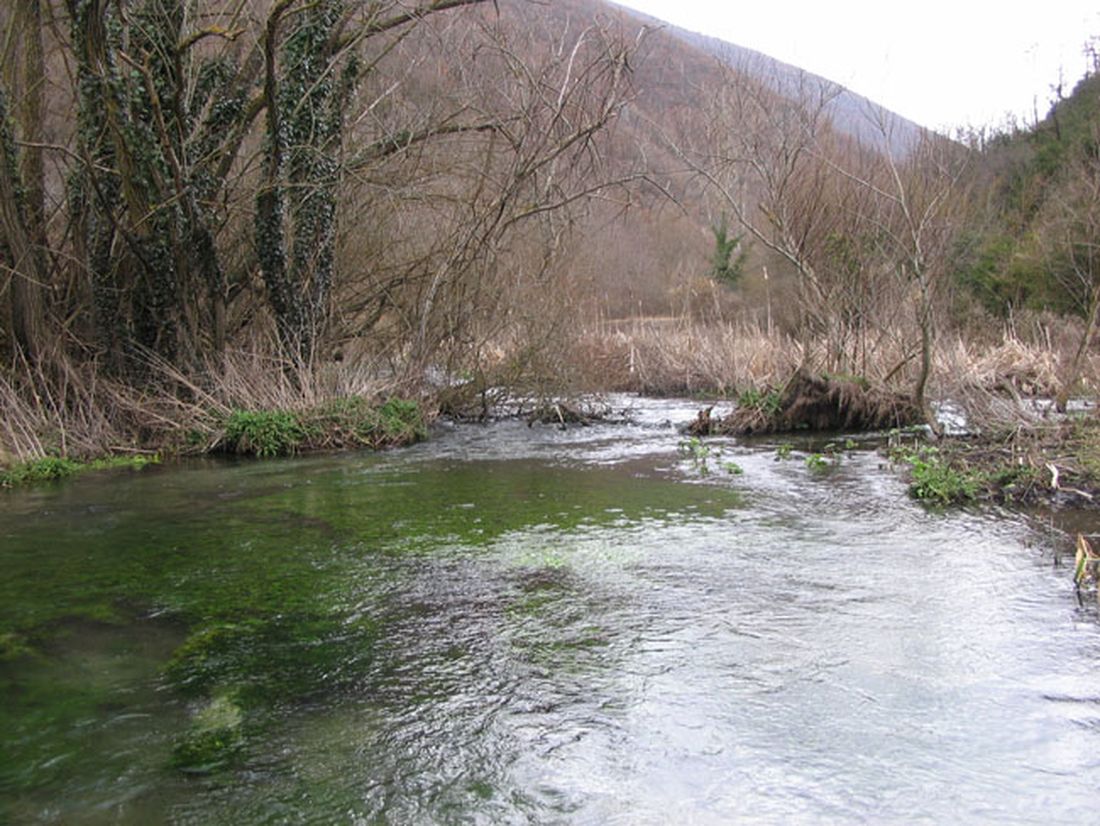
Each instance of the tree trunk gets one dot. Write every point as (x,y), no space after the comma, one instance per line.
(927,343)
(17,242)
(24,186)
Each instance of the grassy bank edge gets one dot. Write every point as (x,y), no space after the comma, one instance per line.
(1053,464)
(344,423)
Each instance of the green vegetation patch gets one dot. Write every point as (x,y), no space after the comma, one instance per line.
(273,658)
(51,468)
(351,421)
(767,401)
(263,433)
(934,479)
(959,471)
(700,454)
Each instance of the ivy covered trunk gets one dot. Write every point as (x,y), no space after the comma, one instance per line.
(306,90)
(152,127)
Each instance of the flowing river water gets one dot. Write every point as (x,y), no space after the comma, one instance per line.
(528,625)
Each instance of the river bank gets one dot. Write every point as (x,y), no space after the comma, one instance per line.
(1052,462)
(1056,464)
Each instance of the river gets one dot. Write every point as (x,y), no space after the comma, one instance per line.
(512,624)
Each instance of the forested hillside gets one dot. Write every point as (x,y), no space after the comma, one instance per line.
(1037,177)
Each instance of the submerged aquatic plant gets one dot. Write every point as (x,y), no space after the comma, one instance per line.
(214,738)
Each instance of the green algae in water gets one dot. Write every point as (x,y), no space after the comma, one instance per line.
(267,591)
(214,738)
(473,503)
(287,657)
(13,646)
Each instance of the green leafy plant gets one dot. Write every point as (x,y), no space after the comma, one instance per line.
(263,432)
(817,462)
(783,452)
(732,468)
(697,452)
(932,479)
(936,481)
(726,267)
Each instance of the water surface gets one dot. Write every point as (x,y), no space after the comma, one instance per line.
(529,625)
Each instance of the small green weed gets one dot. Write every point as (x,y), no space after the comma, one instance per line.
(817,462)
(700,455)
(783,452)
(697,452)
(765,401)
(732,468)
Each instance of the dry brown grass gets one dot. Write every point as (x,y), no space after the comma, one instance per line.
(74,413)
(992,379)
(669,356)
(65,413)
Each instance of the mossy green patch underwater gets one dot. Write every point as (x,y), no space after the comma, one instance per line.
(260,590)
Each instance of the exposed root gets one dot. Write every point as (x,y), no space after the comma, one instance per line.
(813,402)
(703,424)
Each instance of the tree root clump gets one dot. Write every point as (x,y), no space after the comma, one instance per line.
(818,403)
(563,414)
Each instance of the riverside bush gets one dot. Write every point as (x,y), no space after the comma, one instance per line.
(263,432)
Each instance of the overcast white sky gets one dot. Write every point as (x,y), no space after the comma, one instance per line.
(937,62)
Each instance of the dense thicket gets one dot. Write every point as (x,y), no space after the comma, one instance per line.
(178,175)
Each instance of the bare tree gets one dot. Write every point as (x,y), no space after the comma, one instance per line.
(759,156)
(476,202)
(793,184)
(916,213)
